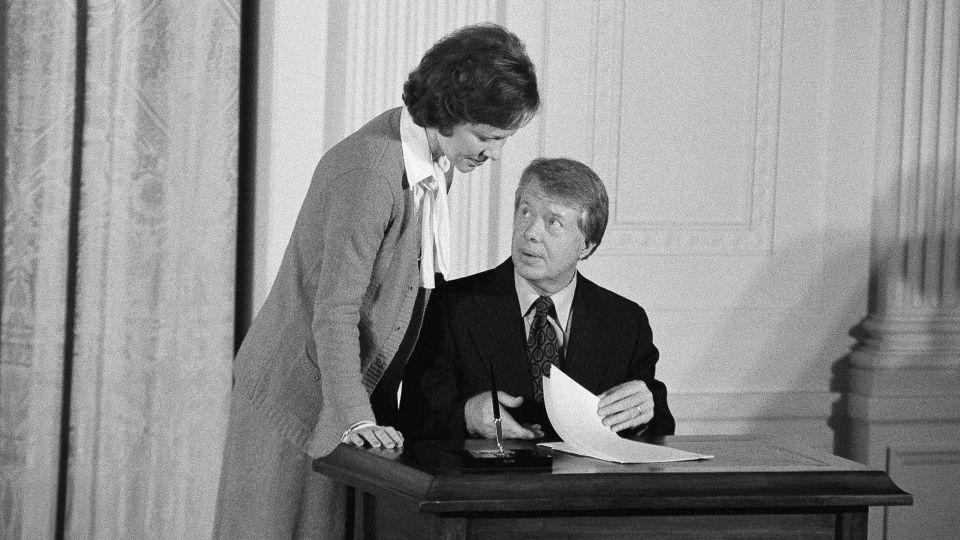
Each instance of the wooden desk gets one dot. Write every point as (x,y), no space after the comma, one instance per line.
(752,488)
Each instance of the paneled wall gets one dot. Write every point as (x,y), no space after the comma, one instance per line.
(703,119)
(738,141)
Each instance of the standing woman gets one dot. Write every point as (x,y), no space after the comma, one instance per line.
(355,278)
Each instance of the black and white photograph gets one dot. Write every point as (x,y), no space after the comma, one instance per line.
(480,269)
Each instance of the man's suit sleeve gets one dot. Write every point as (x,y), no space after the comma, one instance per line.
(643,367)
(431,405)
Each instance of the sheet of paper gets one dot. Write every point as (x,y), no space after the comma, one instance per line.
(573,412)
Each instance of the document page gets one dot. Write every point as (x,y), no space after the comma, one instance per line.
(573,412)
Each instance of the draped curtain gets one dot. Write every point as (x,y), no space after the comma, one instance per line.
(119,167)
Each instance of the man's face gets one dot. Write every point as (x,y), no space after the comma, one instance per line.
(470,145)
(547,240)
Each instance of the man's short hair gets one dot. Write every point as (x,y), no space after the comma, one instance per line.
(573,184)
(479,74)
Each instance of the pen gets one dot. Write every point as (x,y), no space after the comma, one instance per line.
(496,412)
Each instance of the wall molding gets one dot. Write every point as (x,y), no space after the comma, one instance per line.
(912,381)
(907,455)
(759,406)
(910,410)
(753,234)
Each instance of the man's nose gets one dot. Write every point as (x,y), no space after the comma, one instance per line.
(534,230)
(494,149)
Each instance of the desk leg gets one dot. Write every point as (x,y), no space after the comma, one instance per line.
(852,525)
(362,514)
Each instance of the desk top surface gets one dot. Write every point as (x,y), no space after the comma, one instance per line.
(746,472)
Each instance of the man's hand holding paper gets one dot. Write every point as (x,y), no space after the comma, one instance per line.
(626,405)
(569,405)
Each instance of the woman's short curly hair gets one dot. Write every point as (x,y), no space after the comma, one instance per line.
(479,74)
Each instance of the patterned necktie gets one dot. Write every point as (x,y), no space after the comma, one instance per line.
(543,347)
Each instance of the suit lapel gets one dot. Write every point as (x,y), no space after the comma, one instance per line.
(586,345)
(498,330)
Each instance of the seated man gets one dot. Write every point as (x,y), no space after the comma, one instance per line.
(533,310)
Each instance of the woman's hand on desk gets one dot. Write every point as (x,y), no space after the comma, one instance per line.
(626,405)
(374,435)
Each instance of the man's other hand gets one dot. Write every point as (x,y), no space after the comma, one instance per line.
(478,415)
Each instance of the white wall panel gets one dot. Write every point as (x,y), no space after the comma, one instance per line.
(290,125)
(695,167)
(931,473)
(707,123)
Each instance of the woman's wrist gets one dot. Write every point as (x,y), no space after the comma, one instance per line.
(356,427)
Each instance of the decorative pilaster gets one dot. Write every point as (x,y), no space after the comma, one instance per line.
(382,43)
(904,395)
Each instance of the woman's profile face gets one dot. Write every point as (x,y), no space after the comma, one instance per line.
(470,145)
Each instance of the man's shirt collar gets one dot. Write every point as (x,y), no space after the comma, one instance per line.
(562,299)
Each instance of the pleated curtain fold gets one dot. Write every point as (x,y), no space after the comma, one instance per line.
(154,163)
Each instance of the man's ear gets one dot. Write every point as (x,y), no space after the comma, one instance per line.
(587,249)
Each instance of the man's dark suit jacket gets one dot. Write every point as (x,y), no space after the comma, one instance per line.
(474,325)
